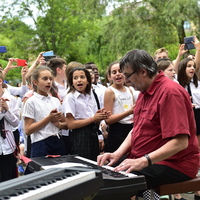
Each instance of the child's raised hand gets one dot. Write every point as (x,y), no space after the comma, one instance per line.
(24,70)
(103,127)
(55,116)
(196,43)
(10,63)
(101,145)
(3,104)
(99,116)
(131,109)
(108,113)
(182,49)
(103,110)
(54,111)
(40,59)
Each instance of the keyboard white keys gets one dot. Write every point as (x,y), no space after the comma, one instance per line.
(105,166)
(58,186)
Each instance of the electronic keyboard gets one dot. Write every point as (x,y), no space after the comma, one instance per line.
(70,184)
(117,185)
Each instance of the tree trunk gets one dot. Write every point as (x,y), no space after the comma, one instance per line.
(181,32)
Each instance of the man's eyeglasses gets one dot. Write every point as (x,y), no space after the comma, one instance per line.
(127,77)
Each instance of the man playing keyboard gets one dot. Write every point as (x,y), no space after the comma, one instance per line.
(163,144)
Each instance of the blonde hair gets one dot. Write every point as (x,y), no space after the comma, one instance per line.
(160,51)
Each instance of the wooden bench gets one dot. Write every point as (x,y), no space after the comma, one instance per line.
(181,187)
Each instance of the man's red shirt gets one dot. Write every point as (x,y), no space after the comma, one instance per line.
(162,112)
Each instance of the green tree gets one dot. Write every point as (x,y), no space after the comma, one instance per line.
(16,36)
(172,14)
(60,22)
(117,34)
(57,25)
(149,25)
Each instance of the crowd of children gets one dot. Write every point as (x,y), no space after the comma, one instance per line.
(66,109)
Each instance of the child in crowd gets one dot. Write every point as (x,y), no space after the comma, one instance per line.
(167,67)
(71,66)
(99,101)
(20,91)
(43,116)
(58,67)
(119,100)
(96,84)
(9,118)
(107,81)
(189,80)
(16,90)
(82,115)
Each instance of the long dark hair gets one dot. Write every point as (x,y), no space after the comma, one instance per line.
(87,74)
(182,77)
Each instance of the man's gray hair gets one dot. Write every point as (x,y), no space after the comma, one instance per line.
(139,59)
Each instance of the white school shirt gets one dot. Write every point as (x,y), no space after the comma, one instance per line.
(176,78)
(195,93)
(16,90)
(81,106)
(38,107)
(100,91)
(62,91)
(11,119)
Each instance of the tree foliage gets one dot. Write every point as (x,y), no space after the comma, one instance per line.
(59,22)
(16,36)
(81,30)
(171,14)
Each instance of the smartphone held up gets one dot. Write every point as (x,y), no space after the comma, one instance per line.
(3,49)
(188,42)
(48,55)
(21,62)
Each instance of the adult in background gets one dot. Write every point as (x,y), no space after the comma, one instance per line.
(163,144)
(96,71)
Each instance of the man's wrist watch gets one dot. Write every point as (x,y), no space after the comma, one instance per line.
(149,159)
